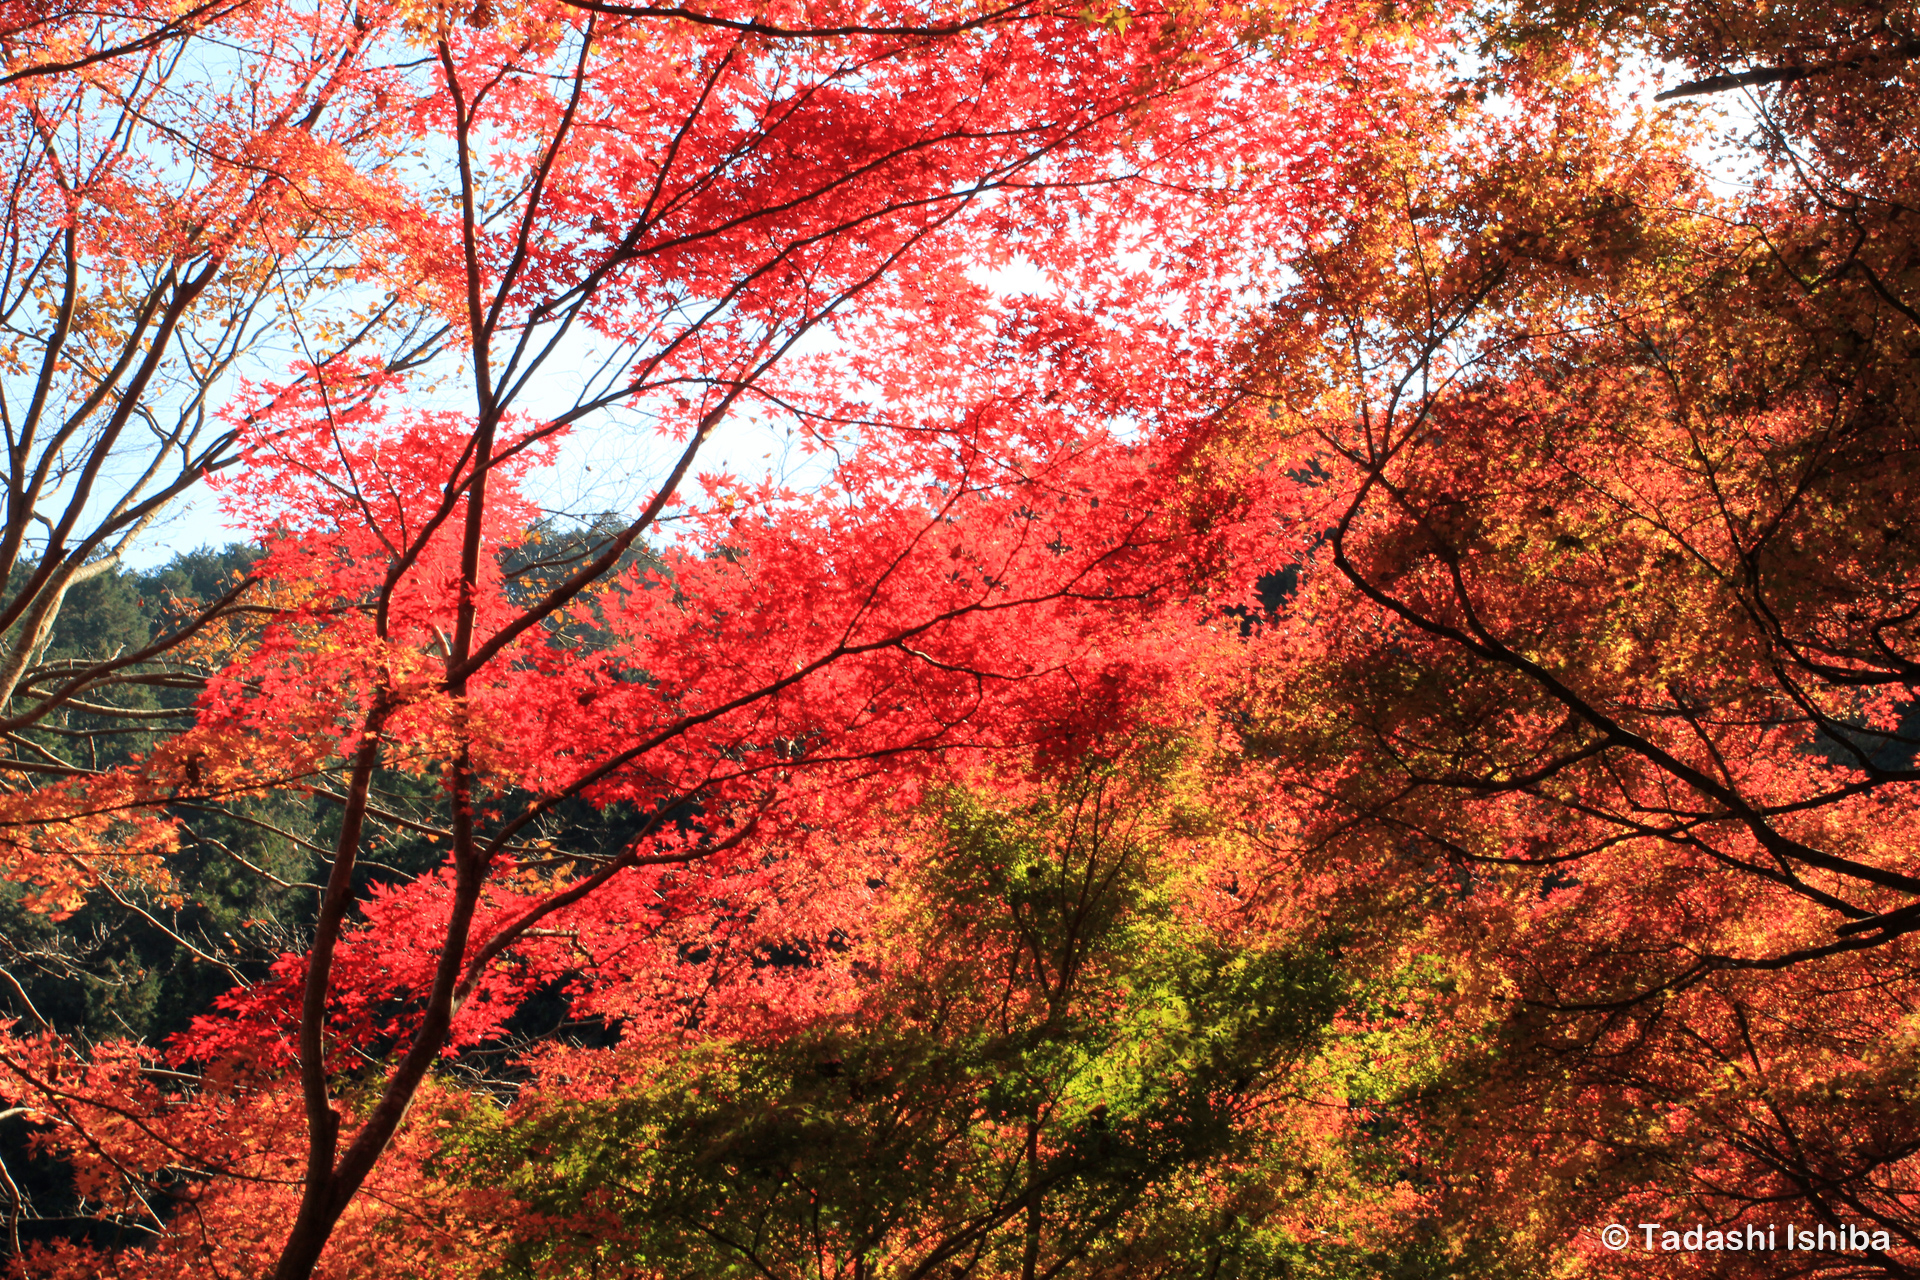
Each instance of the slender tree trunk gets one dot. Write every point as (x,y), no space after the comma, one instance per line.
(1030,1252)
(318,1209)
(37,628)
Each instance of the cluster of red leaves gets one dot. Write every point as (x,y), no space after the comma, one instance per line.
(1033,500)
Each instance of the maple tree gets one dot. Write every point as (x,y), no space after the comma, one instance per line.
(154,240)
(1533,856)
(1601,661)
(1043,1056)
(563,214)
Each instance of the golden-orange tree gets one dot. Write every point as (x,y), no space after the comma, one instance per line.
(1603,654)
(160,231)
(551,218)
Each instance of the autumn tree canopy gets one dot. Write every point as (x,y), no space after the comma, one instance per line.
(1603,656)
(1334,697)
(466,235)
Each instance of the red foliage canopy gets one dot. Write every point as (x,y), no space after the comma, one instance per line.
(1023,492)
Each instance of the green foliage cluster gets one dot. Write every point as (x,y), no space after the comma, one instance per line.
(1052,1066)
